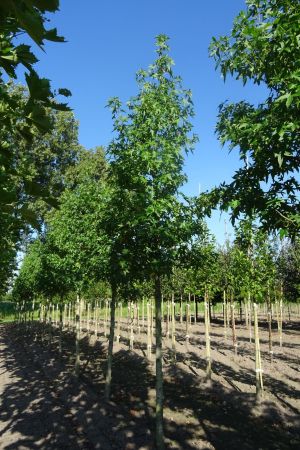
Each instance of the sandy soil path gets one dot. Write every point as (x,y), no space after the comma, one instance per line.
(42,405)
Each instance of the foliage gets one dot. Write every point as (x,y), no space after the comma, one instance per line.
(263,47)
(32,178)
(146,162)
(76,229)
(22,119)
(28,17)
(288,266)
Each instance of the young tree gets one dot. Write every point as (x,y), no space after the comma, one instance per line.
(150,223)
(263,48)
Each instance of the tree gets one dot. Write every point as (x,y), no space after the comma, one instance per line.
(263,48)
(150,222)
(76,227)
(32,178)
(28,17)
(21,119)
(288,269)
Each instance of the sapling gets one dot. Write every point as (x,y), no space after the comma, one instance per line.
(60,327)
(128,319)
(187,323)
(250,318)
(137,317)
(234,341)
(279,320)
(131,341)
(65,315)
(258,366)
(56,316)
(80,317)
(246,314)
(110,340)
(149,338)
(269,312)
(207,337)
(105,318)
(88,320)
(152,317)
(181,313)
(143,313)
(225,314)
(96,312)
(50,322)
(173,330)
(168,320)
(119,322)
(77,336)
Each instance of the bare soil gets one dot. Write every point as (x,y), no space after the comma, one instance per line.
(43,406)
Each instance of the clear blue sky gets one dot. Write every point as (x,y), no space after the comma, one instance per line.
(108,41)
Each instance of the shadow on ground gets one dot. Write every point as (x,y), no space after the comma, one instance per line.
(43,406)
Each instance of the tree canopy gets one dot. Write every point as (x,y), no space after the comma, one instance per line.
(263,48)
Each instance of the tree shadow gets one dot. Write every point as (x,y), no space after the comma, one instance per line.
(45,407)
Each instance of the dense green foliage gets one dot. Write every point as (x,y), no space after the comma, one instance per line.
(24,118)
(263,48)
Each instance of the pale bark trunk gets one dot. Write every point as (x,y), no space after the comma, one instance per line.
(159,372)
(110,342)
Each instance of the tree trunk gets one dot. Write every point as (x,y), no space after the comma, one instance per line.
(209,311)
(234,341)
(225,314)
(159,372)
(207,337)
(110,341)
(77,336)
(258,366)
(60,327)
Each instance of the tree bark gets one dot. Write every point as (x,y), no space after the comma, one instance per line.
(110,341)
(77,337)
(159,373)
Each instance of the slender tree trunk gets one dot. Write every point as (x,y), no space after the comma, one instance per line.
(258,366)
(60,327)
(131,340)
(77,337)
(143,313)
(207,337)
(225,314)
(110,341)
(159,373)
(181,308)
(209,311)
(149,338)
(119,323)
(241,312)
(234,341)
(187,323)
(168,320)
(269,312)
(173,331)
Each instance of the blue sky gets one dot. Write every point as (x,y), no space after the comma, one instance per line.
(108,41)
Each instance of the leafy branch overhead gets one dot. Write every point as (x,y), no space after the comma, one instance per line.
(263,48)
(20,17)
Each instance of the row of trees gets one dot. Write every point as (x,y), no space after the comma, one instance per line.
(122,223)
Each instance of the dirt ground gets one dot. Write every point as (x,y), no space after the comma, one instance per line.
(43,406)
